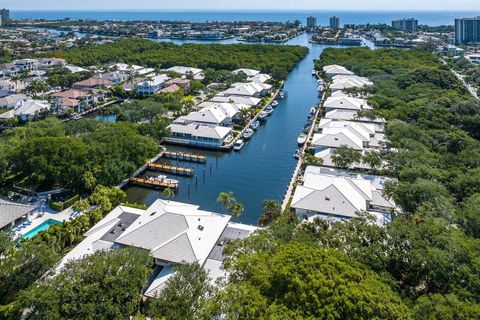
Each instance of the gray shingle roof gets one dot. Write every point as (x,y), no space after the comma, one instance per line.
(11,211)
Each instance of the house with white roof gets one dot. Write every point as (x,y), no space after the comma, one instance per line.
(214,114)
(333,70)
(129,69)
(12,100)
(354,135)
(13,212)
(196,73)
(239,100)
(332,193)
(199,134)
(152,84)
(26,110)
(249,89)
(351,115)
(346,103)
(75,69)
(261,77)
(345,82)
(173,232)
(115,77)
(248,72)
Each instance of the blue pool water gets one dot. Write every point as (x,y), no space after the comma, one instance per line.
(42,227)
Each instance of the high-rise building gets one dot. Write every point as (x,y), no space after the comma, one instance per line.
(335,22)
(5,16)
(410,25)
(311,22)
(467,31)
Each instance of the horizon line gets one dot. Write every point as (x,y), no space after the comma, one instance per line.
(242,10)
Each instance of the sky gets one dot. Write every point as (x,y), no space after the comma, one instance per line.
(381,5)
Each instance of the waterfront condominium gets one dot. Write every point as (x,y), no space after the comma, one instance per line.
(334,22)
(410,25)
(311,23)
(467,31)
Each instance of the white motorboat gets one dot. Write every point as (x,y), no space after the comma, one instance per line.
(274,103)
(269,110)
(314,73)
(262,116)
(248,133)
(238,145)
(313,110)
(296,155)
(255,124)
(302,138)
(164,178)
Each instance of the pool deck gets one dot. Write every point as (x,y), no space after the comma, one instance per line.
(43,213)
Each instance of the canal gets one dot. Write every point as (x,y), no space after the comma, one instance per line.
(263,168)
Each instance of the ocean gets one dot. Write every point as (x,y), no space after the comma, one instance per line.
(357,17)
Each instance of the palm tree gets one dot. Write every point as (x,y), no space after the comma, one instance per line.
(271,210)
(236,208)
(225,198)
(168,193)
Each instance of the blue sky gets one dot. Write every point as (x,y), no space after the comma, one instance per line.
(456,5)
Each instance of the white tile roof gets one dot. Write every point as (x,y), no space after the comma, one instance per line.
(184,70)
(30,107)
(201,130)
(251,101)
(340,195)
(347,103)
(11,211)
(336,69)
(248,72)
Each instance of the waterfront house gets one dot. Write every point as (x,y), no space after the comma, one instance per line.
(152,85)
(240,100)
(174,233)
(261,77)
(250,89)
(350,115)
(199,134)
(248,72)
(341,82)
(332,193)
(333,70)
(211,115)
(347,134)
(345,103)
(12,212)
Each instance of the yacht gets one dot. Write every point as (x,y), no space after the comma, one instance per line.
(274,103)
(262,116)
(247,134)
(268,110)
(238,145)
(302,138)
(255,124)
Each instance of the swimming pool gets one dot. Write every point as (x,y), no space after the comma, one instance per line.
(41,227)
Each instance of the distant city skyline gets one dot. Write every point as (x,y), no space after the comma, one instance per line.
(343,5)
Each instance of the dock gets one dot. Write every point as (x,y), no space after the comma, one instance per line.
(171,169)
(155,184)
(181,156)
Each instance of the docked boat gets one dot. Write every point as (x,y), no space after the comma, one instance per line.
(238,145)
(268,110)
(274,103)
(282,94)
(320,88)
(262,116)
(313,110)
(247,134)
(302,138)
(314,73)
(255,124)
(307,128)
(163,178)
(296,154)
(228,139)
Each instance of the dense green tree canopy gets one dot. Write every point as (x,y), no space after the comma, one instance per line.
(277,60)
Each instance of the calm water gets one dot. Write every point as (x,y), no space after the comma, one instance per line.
(358,17)
(263,168)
